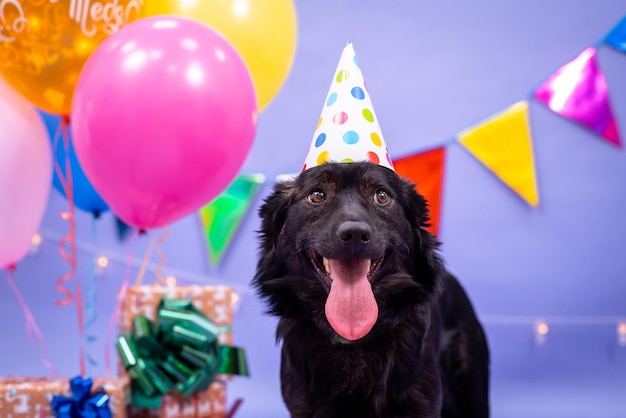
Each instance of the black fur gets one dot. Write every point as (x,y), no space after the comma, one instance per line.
(426,355)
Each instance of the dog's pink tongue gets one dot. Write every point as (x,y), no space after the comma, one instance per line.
(351,308)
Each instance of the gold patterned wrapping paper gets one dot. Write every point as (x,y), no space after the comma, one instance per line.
(216,303)
(29,397)
(207,404)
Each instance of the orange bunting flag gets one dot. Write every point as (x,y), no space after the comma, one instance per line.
(503,144)
(426,171)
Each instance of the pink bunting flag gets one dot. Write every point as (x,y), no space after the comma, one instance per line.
(579,91)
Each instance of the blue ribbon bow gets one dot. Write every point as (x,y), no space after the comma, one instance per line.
(83,403)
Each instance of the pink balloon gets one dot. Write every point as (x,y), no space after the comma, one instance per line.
(163,117)
(25,174)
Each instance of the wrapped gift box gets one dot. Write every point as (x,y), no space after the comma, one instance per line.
(213,301)
(207,404)
(29,397)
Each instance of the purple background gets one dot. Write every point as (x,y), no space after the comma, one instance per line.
(432,69)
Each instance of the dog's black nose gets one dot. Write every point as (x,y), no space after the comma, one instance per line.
(354,232)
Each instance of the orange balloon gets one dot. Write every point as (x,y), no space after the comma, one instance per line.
(45,43)
(263,32)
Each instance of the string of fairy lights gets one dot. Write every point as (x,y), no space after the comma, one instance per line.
(102,259)
(540,325)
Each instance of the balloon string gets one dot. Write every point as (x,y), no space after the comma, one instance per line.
(70,240)
(31,326)
(144,263)
(111,331)
(66,182)
(121,295)
(90,307)
(162,259)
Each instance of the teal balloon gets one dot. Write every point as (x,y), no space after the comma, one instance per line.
(85,196)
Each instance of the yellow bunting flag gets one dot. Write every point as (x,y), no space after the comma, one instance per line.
(503,144)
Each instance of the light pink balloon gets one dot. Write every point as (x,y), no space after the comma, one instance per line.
(163,118)
(25,174)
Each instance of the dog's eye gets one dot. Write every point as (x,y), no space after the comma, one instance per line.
(316,196)
(382,197)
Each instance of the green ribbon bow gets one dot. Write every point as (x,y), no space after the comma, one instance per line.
(179,352)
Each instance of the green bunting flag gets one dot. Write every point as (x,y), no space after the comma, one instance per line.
(222,216)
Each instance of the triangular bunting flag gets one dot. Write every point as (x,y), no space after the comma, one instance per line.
(222,216)
(578,91)
(503,144)
(426,171)
(617,37)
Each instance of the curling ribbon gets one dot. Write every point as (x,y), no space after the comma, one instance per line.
(70,238)
(161,255)
(83,403)
(233,409)
(66,183)
(180,352)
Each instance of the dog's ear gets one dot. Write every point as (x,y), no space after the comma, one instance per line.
(273,212)
(415,208)
(426,258)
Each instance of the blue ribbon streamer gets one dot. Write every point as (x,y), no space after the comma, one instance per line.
(83,403)
(90,305)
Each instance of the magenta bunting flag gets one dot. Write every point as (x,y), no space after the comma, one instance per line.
(579,91)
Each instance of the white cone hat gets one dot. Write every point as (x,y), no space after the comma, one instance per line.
(348,130)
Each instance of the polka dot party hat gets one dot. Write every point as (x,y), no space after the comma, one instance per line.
(348,130)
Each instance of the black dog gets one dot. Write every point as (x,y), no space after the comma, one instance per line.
(372,325)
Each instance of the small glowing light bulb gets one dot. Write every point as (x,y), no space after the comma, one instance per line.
(35,243)
(36,239)
(102,262)
(235,301)
(621,333)
(170,281)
